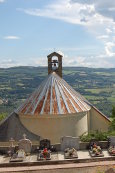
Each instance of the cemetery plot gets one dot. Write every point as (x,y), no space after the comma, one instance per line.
(25,144)
(70,145)
(95,149)
(111,148)
(18,157)
(11,149)
(69,142)
(44,150)
(70,153)
(44,154)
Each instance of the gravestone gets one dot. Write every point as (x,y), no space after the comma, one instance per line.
(45,143)
(18,157)
(11,142)
(69,142)
(25,144)
(112,140)
(21,153)
(11,149)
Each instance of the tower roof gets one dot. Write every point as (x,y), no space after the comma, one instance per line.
(54,96)
(54,54)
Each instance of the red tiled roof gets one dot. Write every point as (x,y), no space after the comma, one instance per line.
(54,96)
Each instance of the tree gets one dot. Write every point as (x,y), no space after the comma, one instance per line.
(112,126)
(113,112)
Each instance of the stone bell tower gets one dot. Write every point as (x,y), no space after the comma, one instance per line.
(55,63)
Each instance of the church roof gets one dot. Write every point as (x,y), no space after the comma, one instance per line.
(54,96)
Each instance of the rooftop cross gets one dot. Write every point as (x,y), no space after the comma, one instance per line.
(12,142)
(24,136)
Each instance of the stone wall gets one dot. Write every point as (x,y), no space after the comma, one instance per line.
(53,127)
(98,121)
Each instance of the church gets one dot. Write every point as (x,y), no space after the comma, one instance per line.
(53,110)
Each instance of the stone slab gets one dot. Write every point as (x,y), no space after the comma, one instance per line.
(112,140)
(69,142)
(25,144)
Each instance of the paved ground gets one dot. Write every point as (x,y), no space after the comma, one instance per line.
(55,156)
(64,168)
(90,167)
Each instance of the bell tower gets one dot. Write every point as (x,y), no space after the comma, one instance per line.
(55,63)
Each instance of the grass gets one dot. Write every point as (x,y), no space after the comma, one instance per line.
(20,84)
(103,73)
(111,99)
(99,90)
(94,98)
(68,72)
(5,88)
(1,101)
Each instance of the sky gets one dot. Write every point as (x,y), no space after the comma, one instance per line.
(83,31)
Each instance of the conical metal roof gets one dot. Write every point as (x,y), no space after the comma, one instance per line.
(54,96)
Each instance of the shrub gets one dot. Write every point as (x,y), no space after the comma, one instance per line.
(111,133)
(3,115)
(101,136)
(112,126)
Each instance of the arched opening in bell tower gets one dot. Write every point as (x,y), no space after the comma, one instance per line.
(55,63)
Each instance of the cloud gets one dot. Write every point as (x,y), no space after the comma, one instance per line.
(91,61)
(11,37)
(37,61)
(75,11)
(99,61)
(103,7)
(108,30)
(8,62)
(87,13)
(1,1)
(64,10)
(108,49)
(61,53)
(102,37)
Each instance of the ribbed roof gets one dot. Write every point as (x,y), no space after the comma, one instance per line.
(54,96)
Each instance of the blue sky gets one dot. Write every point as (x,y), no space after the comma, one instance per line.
(82,30)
